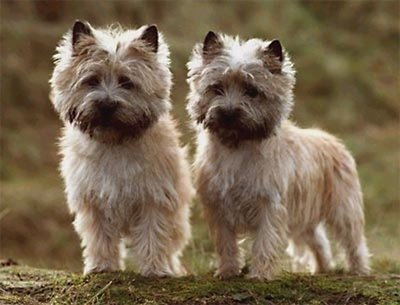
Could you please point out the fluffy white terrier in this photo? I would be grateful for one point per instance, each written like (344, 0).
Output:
(126, 176)
(260, 175)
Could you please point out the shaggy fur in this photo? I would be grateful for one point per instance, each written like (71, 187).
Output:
(257, 173)
(127, 180)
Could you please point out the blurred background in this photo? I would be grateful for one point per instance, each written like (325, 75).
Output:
(347, 58)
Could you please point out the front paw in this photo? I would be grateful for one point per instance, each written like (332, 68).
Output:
(224, 274)
(158, 272)
(93, 270)
(182, 271)
(260, 275)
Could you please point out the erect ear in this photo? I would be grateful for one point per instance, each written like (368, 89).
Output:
(212, 45)
(273, 56)
(150, 37)
(275, 49)
(79, 30)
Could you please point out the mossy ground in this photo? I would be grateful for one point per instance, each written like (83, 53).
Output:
(24, 285)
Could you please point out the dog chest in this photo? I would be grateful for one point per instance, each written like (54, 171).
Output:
(117, 177)
(238, 184)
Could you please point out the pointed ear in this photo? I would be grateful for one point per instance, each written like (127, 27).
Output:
(212, 45)
(79, 30)
(150, 37)
(273, 56)
(275, 49)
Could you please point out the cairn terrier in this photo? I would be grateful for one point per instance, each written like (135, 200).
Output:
(127, 179)
(259, 174)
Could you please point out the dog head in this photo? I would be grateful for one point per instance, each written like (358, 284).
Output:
(239, 90)
(111, 84)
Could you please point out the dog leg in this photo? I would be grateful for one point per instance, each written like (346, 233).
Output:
(299, 254)
(348, 227)
(181, 236)
(225, 242)
(154, 243)
(226, 245)
(319, 245)
(99, 241)
(269, 241)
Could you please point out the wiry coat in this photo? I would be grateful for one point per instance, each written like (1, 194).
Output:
(127, 182)
(285, 183)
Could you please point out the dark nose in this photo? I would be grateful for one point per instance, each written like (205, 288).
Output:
(229, 115)
(106, 107)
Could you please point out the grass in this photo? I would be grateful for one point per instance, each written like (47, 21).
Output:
(24, 285)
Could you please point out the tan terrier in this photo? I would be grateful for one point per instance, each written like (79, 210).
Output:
(127, 179)
(259, 174)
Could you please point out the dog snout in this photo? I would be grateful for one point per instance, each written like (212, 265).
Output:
(106, 107)
(229, 115)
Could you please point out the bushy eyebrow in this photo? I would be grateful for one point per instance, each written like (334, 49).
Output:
(250, 84)
(214, 86)
(216, 83)
(86, 77)
(78, 82)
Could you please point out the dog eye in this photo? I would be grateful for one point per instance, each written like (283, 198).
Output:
(251, 91)
(217, 89)
(92, 81)
(125, 83)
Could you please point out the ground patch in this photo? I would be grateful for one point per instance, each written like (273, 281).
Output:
(26, 286)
